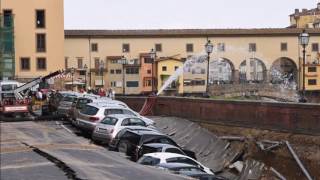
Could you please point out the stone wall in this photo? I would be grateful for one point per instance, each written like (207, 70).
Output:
(288, 117)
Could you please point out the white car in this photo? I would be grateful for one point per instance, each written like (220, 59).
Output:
(164, 157)
(109, 127)
(92, 113)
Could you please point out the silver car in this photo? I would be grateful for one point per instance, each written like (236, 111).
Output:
(92, 113)
(66, 103)
(109, 127)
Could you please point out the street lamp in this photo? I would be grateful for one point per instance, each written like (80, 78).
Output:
(123, 61)
(209, 48)
(101, 66)
(303, 40)
(85, 76)
(153, 55)
(72, 73)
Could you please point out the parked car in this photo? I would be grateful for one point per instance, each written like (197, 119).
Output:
(109, 127)
(158, 147)
(129, 141)
(164, 157)
(66, 103)
(55, 98)
(179, 168)
(92, 113)
(89, 98)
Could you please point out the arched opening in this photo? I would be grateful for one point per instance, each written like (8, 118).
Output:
(221, 71)
(283, 70)
(255, 71)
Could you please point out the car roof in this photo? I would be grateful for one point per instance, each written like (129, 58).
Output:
(157, 145)
(175, 165)
(145, 131)
(122, 116)
(165, 155)
(107, 105)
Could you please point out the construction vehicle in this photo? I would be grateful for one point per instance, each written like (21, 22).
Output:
(14, 97)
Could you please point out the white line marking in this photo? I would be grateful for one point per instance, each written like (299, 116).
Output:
(64, 127)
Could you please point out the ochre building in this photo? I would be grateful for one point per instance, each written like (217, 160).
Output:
(32, 38)
(240, 56)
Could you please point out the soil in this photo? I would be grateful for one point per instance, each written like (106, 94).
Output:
(307, 147)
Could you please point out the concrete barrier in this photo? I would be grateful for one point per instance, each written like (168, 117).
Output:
(288, 117)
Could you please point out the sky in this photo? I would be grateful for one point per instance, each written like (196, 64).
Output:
(177, 14)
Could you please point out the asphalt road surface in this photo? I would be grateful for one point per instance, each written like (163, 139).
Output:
(46, 150)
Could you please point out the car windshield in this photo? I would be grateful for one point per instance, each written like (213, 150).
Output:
(89, 110)
(69, 98)
(8, 87)
(148, 160)
(174, 150)
(109, 121)
(82, 102)
(118, 111)
(158, 139)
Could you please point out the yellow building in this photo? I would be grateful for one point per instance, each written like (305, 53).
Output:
(240, 55)
(167, 67)
(306, 18)
(32, 32)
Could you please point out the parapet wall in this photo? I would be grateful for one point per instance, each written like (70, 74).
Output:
(289, 117)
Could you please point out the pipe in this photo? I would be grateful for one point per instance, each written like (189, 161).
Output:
(304, 170)
(280, 176)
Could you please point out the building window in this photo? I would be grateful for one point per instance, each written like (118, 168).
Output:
(118, 71)
(133, 70)
(252, 47)
(221, 47)
(312, 69)
(149, 71)
(94, 47)
(80, 63)
(40, 18)
(315, 47)
(41, 64)
(284, 46)
(7, 18)
(112, 71)
(25, 63)
(96, 63)
(312, 82)
(113, 84)
(164, 68)
(41, 42)
(158, 47)
(189, 47)
(66, 63)
(82, 73)
(132, 83)
(147, 83)
(125, 48)
(176, 67)
(148, 60)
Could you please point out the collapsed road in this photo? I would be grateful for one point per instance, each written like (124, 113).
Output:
(45, 150)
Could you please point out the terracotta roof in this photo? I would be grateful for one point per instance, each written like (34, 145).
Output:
(187, 32)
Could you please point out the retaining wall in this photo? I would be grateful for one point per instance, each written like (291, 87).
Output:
(288, 117)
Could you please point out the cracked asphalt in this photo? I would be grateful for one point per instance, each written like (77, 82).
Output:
(45, 150)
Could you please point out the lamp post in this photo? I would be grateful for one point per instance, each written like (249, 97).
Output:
(85, 76)
(209, 48)
(123, 61)
(72, 73)
(101, 67)
(153, 55)
(303, 40)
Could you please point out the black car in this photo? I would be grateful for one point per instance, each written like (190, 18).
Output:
(129, 141)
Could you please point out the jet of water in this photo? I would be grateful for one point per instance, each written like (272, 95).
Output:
(190, 62)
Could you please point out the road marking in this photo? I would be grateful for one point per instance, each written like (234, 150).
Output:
(26, 165)
(64, 127)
